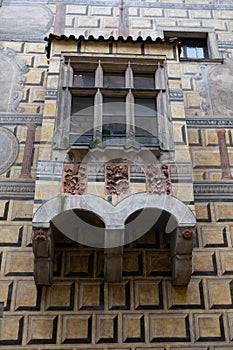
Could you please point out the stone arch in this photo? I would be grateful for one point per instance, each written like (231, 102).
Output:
(180, 225)
(114, 216)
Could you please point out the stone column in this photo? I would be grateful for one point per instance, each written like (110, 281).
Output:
(224, 159)
(28, 151)
(43, 249)
(181, 247)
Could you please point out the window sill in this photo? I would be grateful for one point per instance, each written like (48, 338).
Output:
(207, 60)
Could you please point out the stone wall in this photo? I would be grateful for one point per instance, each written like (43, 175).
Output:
(80, 310)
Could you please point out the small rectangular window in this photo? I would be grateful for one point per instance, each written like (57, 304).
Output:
(193, 48)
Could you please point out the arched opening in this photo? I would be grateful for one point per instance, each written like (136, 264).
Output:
(94, 222)
(80, 226)
(148, 222)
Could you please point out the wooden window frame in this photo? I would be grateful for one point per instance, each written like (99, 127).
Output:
(129, 64)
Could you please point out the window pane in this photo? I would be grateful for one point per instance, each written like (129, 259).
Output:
(84, 79)
(200, 52)
(113, 129)
(144, 81)
(191, 52)
(83, 105)
(145, 118)
(114, 106)
(81, 124)
(114, 80)
(145, 107)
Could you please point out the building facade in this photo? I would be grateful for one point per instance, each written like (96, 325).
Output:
(115, 174)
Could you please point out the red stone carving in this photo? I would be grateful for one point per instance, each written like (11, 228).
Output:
(158, 179)
(116, 178)
(40, 233)
(187, 233)
(74, 179)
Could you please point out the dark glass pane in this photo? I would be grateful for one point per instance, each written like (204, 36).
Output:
(114, 133)
(114, 80)
(144, 81)
(113, 106)
(85, 139)
(114, 130)
(81, 123)
(83, 105)
(84, 79)
(145, 118)
(145, 107)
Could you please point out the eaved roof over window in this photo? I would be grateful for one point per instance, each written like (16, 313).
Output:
(110, 39)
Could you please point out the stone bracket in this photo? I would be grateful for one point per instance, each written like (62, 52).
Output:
(181, 247)
(43, 249)
(113, 257)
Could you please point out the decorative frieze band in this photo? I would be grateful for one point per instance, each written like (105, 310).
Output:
(17, 189)
(209, 123)
(19, 119)
(213, 190)
(176, 95)
(51, 94)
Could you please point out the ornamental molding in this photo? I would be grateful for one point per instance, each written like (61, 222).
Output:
(17, 189)
(13, 80)
(49, 170)
(209, 123)
(216, 189)
(51, 94)
(176, 95)
(19, 119)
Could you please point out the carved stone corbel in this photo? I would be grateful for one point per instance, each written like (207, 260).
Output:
(181, 247)
(43, 249)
